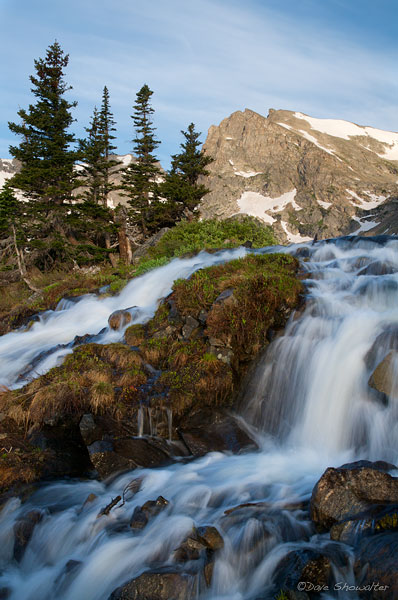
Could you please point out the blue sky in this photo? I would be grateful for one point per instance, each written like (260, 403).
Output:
(204, 59)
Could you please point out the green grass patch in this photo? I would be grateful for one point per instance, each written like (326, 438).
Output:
(191, 237)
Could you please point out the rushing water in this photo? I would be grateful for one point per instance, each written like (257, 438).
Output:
(308, 400)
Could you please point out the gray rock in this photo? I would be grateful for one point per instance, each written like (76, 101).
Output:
(384, 378)
(190, 326)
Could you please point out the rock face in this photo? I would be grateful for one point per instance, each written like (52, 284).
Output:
(301, 175)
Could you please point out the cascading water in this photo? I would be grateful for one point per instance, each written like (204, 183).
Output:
(309, 401)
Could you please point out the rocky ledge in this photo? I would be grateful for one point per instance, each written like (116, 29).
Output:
(168, 391)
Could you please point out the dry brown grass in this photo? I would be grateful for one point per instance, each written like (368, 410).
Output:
(102, 397)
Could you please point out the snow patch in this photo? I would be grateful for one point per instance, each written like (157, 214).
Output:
(125, 159)
(364, 225)
(346, 130)
(231, 162)
(257, 205)
(366, 204)
(229, 138)
(324, 204)
(310, 138)
(248, 173)
(285, 126)
(295, 238)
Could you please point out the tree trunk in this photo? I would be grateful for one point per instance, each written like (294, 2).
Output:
(21, 264)
(112, 257)
(125, 251)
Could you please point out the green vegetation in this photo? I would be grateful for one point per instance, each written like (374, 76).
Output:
(139, 178)
(181, 187)
(191, 237)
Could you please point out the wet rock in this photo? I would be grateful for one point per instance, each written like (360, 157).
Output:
(385, 341)
(375, 520)
(376, 567)
(111, 457)
(222, 436)
(384, 378)
(351, 489)
(142, 514)
(303, 565)
(106, 461)
(210, 537)
(88, 501)
(23, 531)
(190, 549)
(202, 543)
(378, 268)
(119, 319)
(88, 429)
(302, 252)
(164, 585)
(191, 325)
(142, 451)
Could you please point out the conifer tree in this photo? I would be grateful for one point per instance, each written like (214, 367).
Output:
(91, 151)
(139, 178)
(45, 148)
(108, 165)
(181, 183)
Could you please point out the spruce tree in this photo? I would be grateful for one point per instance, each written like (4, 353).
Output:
(139, 178)
(45, 149)
(91, 152)
(108, 165)
(181, 185)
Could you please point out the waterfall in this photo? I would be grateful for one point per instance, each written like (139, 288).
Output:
(309, 400)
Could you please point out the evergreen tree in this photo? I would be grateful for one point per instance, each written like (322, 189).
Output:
(181, 184)
(9, 207)
(91, 151)
(108, 165)
(139, 178)
(45, 149)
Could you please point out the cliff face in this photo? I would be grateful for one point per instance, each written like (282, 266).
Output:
(304, 176)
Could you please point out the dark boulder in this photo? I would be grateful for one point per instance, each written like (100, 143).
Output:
(164, 585)
(303, 565)
(223, 436)
(351, 489)
(23, 531)
(143, 514)
(111, 457)
(119, 319)
(376, 567)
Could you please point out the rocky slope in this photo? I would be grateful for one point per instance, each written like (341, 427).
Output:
(304, 176)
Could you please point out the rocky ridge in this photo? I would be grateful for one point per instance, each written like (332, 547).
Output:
(303, 176)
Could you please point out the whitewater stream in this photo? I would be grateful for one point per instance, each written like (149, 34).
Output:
(308, 402)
